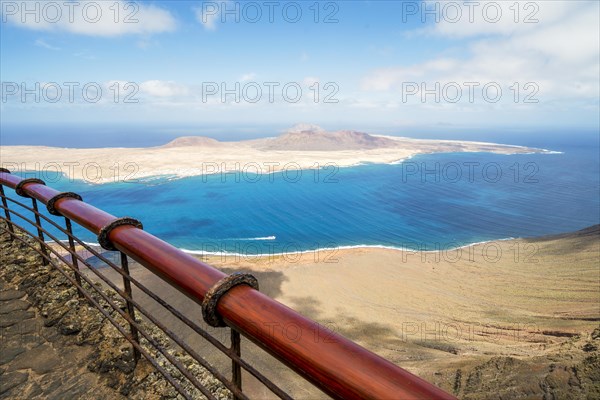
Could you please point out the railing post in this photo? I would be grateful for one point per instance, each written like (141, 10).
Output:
(236, 369)
(6, 212)
(40, 232)
(73, 257)
(130, 308)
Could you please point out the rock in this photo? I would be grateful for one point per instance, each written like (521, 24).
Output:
(10, 306)
(11, 294)
(51, 383)
(15, 317)
(10, 353)
(11, 380)
(70, 324)
(28, 326)
(42, 344)
(53, 314)
(588, 347)
(43, 360)
(68, 329)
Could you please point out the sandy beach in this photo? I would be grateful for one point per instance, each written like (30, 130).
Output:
(192, 156)
(522, 305)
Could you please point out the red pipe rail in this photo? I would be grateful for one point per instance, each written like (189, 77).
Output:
(336, 365)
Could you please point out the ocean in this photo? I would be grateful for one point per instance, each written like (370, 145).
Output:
(428, 202)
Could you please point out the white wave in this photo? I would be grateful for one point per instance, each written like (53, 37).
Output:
(546, 151)
(254, 238)
(402, 160)
(332, 249)
(323, 249)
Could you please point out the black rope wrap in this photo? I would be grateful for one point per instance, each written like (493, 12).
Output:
(4, 170)
(50, 206)
(19, 188)
(209, 304)
(105, 231)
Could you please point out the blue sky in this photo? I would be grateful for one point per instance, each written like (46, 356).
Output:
(373, 59)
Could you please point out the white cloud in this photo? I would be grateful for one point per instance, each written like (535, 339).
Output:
(310, 81)
(491, 17)
(247, 77)
(91, 18)
(44, 44)
(85, 54)
(159, 88)
(560, 54)
(209, 14)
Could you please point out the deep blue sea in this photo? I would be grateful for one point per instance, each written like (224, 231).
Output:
(444, 200)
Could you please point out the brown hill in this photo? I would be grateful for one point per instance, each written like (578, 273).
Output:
(188, 141)
(589, 233)
(320, 140)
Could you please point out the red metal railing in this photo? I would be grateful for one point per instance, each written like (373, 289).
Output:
(338, 366)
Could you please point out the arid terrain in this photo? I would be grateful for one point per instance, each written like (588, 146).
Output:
(508, 319)
(511, 319)
(303, 147)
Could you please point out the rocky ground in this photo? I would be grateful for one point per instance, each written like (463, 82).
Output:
(572, 372)
(55, 345)
(33, 357)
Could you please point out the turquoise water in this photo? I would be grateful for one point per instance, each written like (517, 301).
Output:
(463, 198)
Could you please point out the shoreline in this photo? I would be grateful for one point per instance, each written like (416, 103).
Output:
(367, 247)
(170, 176)
(111, 165)
(435, 315)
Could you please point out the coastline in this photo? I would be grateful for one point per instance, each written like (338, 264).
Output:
(362, 247)
(109, 165)
(436, 315)
(451, 313)
(344, 248)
